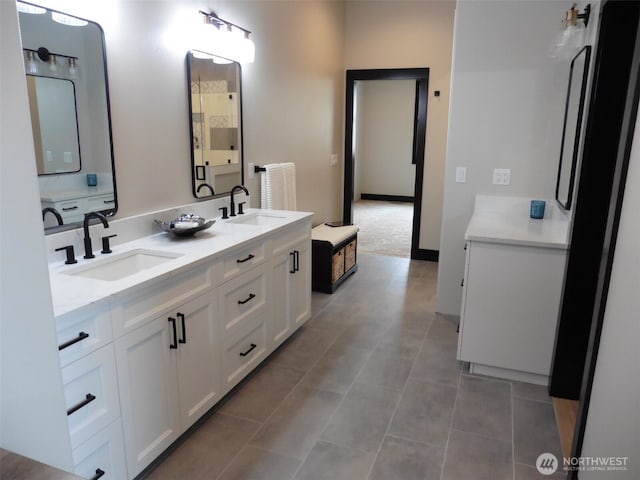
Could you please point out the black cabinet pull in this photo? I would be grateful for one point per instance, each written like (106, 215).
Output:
(244, 354)
(293, 262)
(462, 283)
(99, 474)
(68, 209)
(246, 259)
(174, 345)
(81, 336)
(87, 400)
(184, 328)
(296, 258)
(107, 202)
(250, 297)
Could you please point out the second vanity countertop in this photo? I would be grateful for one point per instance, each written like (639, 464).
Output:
(73, 292)
(506, 220)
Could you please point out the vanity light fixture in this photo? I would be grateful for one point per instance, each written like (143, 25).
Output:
(59, 65)
(30, 62)
(68, 20)
(73, 67)
(571, 37)
(28, 8)
(231, 41)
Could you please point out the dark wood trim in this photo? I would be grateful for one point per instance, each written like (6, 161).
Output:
(421, 76)
(615, 208)
(424, 254)
(387, 198)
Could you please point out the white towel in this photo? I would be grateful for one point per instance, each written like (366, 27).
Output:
(272, 187)
(289, 170)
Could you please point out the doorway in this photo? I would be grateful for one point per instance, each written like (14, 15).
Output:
(411, 195)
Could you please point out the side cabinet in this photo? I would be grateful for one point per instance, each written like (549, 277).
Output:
(511, 297)
(169, 377)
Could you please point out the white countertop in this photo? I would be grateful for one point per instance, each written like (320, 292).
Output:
(506, 220)
(74, 193)
(72, 292)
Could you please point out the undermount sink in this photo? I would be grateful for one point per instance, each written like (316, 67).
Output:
(257, 219)
(122, 265)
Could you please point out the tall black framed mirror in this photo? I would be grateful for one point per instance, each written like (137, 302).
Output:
(571, 129)
(215, 114)
(66, 74)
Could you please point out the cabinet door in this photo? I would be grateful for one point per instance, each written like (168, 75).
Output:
(300, 285)
(199, 371)
(280, 322)
(148, 392)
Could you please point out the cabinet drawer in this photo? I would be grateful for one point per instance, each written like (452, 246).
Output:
(243, 301)
(70, 208)
(140, 307)
(81, 333)
(285, 240)
(337, 265)
(91, 394)
(242, 260)
(242, 356)
(104, 452)
(100, 202)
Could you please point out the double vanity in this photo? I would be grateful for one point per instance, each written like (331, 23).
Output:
(153, 335)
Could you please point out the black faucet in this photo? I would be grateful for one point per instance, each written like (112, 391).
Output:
(232, 204)
(54, 212)
(205, 185)
(88, 251)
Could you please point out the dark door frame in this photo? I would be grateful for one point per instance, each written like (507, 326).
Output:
(421, 76)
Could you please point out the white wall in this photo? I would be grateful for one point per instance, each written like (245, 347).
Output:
(32, 407)
(410, 34)
(384, 138)
(506, 112)
(613, 423)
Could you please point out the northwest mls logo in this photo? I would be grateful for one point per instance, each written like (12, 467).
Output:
(547, 464)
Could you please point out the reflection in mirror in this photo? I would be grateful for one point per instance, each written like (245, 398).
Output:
(215, 108)
(68, 96)
(573, 113)
(52, 102)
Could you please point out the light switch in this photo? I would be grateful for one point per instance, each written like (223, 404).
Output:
(461, 174)
(501, 176)
(334, 159)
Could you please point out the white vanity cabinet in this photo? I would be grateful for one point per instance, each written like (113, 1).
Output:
(169, 376)
(512, 285)
(291, 273)
(85, 344)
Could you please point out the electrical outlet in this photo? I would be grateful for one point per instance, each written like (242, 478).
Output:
(461, 174)
(501, 176)
(334, 159)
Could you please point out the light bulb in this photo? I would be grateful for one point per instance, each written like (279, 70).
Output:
(52, 64)
(73, 67)
(31, 65)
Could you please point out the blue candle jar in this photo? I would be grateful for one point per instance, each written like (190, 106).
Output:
(537, 209)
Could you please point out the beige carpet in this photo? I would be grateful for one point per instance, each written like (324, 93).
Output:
(385, 227)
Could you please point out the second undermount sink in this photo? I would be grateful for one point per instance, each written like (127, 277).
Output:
(122, 265)
(257, 219)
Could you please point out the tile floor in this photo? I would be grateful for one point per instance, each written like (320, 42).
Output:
(370, 388)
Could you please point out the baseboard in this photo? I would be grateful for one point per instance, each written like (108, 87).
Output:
(424, 254)
(387, 198)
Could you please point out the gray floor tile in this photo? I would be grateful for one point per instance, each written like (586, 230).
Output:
(331, 462)
(401, 341)
(483, 407)
(534, 431)
(472, 457)
(530, 391)
(443, 330)
(302, 350)
(208, 450)
(337, 369)
(385, 369)
(437, 362)
(424, 412)
(526, 472)
(294, 427)
(257, 464)
(407, 460)
(362, 418)
(362, 334)
(262, 393)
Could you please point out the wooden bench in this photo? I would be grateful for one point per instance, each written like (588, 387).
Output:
(334, 251)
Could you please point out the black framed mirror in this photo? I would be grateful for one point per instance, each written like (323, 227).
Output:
(571, 129)
(65, 63)
(215, 123)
